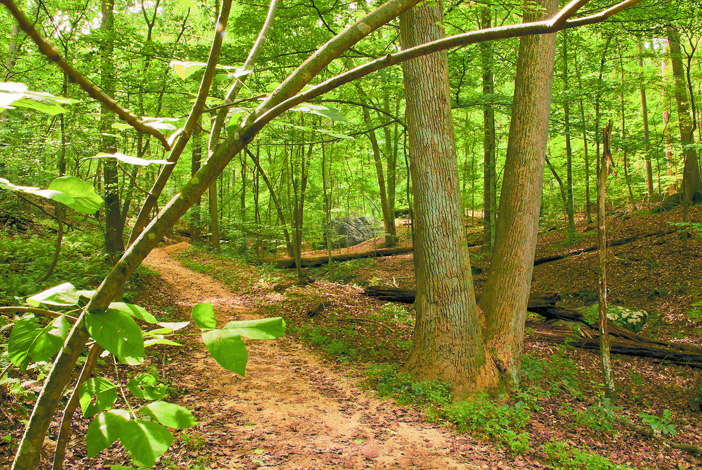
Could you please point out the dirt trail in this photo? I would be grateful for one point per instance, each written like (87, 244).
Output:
(293, 410)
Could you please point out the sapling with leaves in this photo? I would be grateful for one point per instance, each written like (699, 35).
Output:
(147, 234)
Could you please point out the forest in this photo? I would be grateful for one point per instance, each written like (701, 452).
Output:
(468, 232)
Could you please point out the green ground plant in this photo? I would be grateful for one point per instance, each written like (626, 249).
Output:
(565, 457)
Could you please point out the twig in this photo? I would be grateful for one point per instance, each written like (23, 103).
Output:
(76, 77)
(4, 371)
(133, 180)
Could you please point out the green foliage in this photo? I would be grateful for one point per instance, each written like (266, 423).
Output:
(500, 421)
(388, 381)
(629, 318)
(659, 424)
(97, 394)
(392, 312)
(563, 457)
(600, 416)
(30, 340)
(347, 271)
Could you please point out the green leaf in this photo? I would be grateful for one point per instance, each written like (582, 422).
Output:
(324, 111)
(188, 4)
(133, 310)
(50, 340)
(120, 126)
(102, 390)
(146, 387)
(24, 332)
(160, 340)
(185, 69)
(85, 199)
(146, 441)
(104, 430)
(169, 414)
(116, 332)
(63, 295)
(266, 328)
(204, 316)
(227, 349)
(131, 160)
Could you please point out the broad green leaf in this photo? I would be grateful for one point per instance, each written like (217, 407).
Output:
(131, 160)
(102, 391)
(146, 441)
(83, 193)
(169, 414)
(35, 102)
(227, 349)
(120, 126)
(104, 430)
(265, 328)
(185, 69)
(63, 295)
(325, 111)
(23, 334)
(116, 332)
(50, 340)
(88, 294)
(204, 316)
(133, 310)
(146, 386)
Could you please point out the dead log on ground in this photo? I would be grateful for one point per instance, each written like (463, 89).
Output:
(623, 341)
(285, 263)
(623, 241)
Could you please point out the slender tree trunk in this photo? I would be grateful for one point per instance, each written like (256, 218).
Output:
(114, 229)
(564, 195)
(670, 165)
(214, 217)
(691, 174)
(583, 123)
(610, 391)
(644, 116)
(194, 168)
(570, 206)
(447, 338)
(507, 290)
(489, 170)
(623, 145)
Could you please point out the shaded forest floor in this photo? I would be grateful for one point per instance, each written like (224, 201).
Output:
(302, 404)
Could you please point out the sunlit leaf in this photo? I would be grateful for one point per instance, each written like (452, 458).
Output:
(135, 311)
(204, 316)
(85, 199)
(116, 332)
(227, 349)
(146, 441)
(104, 430)
(325, 111)
(50, 340)
(169, 414)
(102, 391)
(23, 334)
(265, 328)
(185, 69)
(63, 295)
(146, 386)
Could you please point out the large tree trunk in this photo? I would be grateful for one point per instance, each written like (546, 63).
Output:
(447, 338)
(507, 289)
(692, 183)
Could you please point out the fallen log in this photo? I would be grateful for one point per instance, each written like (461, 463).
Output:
(285, 263)
(623, 341)
(622, 241)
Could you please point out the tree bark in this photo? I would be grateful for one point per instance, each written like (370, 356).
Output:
(195, 220)
(489, 170)
(644, 116)
(507, 289)
(692, 183)
(447, 338)
(570, 206)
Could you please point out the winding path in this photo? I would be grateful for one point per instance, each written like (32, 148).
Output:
(293, 410)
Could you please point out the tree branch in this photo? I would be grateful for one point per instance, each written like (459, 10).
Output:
(76, 77)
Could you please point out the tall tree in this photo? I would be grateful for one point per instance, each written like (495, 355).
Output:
(489, 165)
(447, 338)
(507, 290)
(692, 183)
(644, 117)
(114, 227)
(570, 207)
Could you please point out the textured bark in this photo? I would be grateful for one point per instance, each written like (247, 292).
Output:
(644, 116)
(114, 228)
(692, 183)
(507, 289)
(447, 338)
(489, 170)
